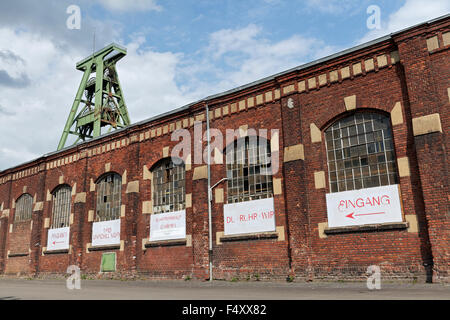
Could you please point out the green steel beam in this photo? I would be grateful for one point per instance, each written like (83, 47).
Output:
(74, 109)
(122, 106)
(98, 95)
(104, 104)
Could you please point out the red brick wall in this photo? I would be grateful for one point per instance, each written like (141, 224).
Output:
(163, 261)
(25, 235)
(427, 78)
(374, 91)
(265, 258)
(419, 81)
(72, 176)
(4, 226)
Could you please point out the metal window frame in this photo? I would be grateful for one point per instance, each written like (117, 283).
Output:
(24, 208)
(169, 186)
(62, 201)
(109, 186)
(366, 140)
(246, 161)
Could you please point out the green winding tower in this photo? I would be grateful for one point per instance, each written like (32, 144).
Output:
(103, 103)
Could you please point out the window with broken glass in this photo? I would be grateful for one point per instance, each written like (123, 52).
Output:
(168, 187)
(249, 170)
(109, 190)
(24, 208)
(61, 207)
(360, 152)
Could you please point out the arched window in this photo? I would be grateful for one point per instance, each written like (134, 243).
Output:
(169, 193)
(109, 189)
(249, 170)
(360, 152)
(24, 207)
(62, 198)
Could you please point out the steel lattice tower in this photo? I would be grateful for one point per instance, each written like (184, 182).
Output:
(103, 103)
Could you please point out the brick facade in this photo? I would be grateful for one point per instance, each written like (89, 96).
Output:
(405, 76)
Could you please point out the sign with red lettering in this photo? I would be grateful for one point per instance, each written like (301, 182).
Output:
(249, 216)
(168, 225)
(364, 206)
(106, 233)
(58, 239)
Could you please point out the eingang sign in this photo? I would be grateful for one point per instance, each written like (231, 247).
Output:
(58, 239)
(364, 206)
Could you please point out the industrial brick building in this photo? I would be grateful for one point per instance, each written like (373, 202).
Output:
(360, 128)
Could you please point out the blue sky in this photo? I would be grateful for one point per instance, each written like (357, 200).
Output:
(186, 25)
(178, 52)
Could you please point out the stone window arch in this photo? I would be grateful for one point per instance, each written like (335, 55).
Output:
(360, 152)
(24, 208)
(169, 186)
(249, 170)
(62, 198)
(109, 193)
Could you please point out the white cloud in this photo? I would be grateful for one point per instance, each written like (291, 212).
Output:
(32, 111)
(131, 5)
(153, 82)
(16, 156)
(32, 118)
(411, 13)
(272, 1)
(148, 80)
(33, 115)
(240, 56)
(227, 40)
(333, 6)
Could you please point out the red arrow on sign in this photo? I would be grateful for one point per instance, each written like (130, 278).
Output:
(350, 215)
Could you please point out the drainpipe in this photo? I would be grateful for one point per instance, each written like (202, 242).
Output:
(210, 189)
(210, 250)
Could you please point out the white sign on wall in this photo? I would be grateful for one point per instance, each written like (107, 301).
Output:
(169, 225)
(58, 239)
(364, 206)
(106, 233)
(249, 216)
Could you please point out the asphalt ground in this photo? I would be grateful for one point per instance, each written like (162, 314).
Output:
(56, 289)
